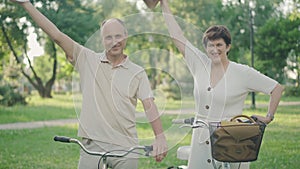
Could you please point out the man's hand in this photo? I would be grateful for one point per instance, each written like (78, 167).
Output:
(160, 148)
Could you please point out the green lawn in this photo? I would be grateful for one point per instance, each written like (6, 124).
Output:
(35, 148)
(38, 109)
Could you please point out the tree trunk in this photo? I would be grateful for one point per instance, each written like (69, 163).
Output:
(35, 81)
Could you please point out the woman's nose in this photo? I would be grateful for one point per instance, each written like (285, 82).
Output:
(214, 49)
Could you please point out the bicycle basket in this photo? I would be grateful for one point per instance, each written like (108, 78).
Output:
(233, 141)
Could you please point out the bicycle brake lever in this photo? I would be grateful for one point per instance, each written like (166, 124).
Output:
(148, 148)
(186, 125)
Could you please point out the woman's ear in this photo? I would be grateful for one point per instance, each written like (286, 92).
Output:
(228, 47)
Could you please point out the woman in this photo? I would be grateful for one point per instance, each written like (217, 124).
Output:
(220, 85)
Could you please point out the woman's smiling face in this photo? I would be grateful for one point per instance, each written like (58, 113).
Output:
(217, 50)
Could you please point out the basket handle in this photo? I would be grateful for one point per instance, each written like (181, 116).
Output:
(244, 116)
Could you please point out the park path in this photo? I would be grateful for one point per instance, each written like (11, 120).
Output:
(63, 122)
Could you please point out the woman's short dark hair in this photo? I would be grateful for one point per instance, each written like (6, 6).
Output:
(216, 32)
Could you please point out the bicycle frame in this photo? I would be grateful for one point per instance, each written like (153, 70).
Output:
(104, 155)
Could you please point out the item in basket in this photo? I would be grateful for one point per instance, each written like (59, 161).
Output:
(236, 141)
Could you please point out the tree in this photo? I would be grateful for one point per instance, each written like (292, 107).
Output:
(280, 39)
(70, 17)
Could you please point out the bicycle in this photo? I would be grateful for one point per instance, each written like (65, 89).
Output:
(105, 155)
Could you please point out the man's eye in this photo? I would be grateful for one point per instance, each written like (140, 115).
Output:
(108, 38)
(119, 36)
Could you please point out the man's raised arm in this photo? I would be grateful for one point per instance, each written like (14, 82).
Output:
(61, 39)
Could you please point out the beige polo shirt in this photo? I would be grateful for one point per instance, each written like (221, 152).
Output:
(109, 97)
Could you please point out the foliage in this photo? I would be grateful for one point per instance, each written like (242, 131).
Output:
(291, 91)
(80, 19)
(276, 40)
(43, 65)
(10, 96)
(10, 86)
(15, 28)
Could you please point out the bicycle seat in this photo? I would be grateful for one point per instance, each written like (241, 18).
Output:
(183, 152)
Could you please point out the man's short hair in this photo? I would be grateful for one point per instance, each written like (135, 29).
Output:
(118, 20)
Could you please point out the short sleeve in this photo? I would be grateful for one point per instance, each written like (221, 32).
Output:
(144, 89)
(260, 82)
(77, 52)
(81, 55)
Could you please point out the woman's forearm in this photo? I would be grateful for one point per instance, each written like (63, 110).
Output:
(274, 100)
(175, 31)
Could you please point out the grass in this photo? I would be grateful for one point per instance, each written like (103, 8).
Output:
(38, 109)
(22, 149)
(35, 148)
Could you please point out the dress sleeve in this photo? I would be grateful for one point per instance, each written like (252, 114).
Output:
(195, 58)
(260, 82)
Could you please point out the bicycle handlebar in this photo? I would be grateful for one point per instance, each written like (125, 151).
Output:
(190, 122)
(64, 139)
(183, 121)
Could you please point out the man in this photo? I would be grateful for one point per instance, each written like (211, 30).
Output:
(111, 85)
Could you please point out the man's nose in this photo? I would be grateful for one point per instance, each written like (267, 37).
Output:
(116, 40)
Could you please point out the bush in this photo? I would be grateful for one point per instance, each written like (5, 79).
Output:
(171, 91)
(292, 91)
(10, 96)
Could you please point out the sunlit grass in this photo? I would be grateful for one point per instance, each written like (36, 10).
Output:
(35, 148)
(38, 109)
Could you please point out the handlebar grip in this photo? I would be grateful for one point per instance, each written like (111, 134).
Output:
(148, 148)
(62, 139)
(254, 118)
(183, 121)
(178, 121)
